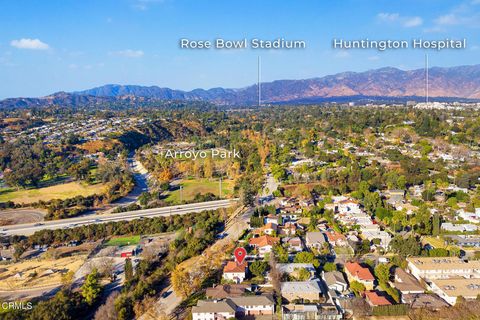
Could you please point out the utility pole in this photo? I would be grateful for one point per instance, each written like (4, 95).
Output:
(426, 77)
(181, 195)
(258, 81)
(220, 188)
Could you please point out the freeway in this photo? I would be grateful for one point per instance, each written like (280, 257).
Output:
(30, 228)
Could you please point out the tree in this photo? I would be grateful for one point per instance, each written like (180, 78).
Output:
(307, 257)
(357, 288)
(329, 266)
(382, 272)
(107, 311)
(128, 270)
(303, 274)
(91, 288)
(436, 224)
(67, 278)
(181, 282)
(258, 268)
(247, 195)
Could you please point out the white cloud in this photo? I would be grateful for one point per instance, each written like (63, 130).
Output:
(374, 58)
(30, 44)
(412, 22)
(342, 54)
(128, 53)
(144, 4)
(396, 18)
(466, 14)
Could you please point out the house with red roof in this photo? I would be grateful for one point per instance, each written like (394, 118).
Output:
(336, 239)
(264, 243)
(235, 272)
(374, 299)
(356, 272)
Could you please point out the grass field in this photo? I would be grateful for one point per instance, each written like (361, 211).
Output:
(60, 191)
(191, 187)
(124, 241)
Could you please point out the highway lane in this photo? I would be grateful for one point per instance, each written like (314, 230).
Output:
(30, 228)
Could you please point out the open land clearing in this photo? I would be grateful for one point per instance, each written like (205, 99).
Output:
(37, 273)
(192, 187)
(17, 216)
(60, 191)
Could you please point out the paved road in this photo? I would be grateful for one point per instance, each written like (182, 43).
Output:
(30, 228)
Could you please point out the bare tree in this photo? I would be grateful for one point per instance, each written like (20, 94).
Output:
(107, 311)
(106, 266)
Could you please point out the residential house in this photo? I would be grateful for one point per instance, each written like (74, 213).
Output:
(289, 229)
(234, 271)
(423, 300)
(473, 217)
(254, 305)
(465, 241)
(383, 236)
(295, 244)
(271, 218)
(270, 229)
(214, 310)
(323, 311)
(374, 299)
(293, 269)
(356, 272)
(336, 239)
(464, 227)
(223, 291)
(233, 307)
(406, 283)
(315, 240)
(335, 280)
(264, 244)
(301, 290)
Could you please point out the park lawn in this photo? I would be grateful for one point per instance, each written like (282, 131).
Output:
(193, 186)
(123, 241)
(59, 191)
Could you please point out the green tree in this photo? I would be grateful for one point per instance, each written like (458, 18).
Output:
(382, 272)
(306, 257)
(329, 266)
(357, 288)
(128, 270)
(91, 288)
(303, 274)
(258, 268)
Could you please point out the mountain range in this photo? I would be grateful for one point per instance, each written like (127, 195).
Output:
(452, 83)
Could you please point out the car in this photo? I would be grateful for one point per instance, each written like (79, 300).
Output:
(98, 220)
(38, 224)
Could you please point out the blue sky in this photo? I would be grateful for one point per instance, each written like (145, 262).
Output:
(67, 45)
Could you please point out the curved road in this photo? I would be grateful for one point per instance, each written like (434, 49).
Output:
(30, 228)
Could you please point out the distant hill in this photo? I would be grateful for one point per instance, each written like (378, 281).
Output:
(461, 82)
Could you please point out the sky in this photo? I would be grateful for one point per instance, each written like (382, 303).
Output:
(69, 45)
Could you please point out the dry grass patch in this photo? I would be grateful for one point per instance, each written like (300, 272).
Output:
(60, 191)
(38, 273)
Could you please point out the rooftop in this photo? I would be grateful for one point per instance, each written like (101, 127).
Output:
(301, 286)
(362, 273)
(459, 286)
(447, 263)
